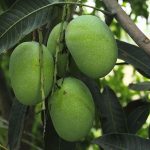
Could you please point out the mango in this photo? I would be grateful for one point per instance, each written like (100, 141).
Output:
(72, 109)
(92, 45)
(24, 70)
(52, 45)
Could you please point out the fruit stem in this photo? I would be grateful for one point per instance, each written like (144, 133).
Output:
(42, 77)
(41, 66)
(69, 13)
(60, 45)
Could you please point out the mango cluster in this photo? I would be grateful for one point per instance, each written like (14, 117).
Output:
(93, 49)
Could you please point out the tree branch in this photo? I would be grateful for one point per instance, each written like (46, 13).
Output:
(128, 25)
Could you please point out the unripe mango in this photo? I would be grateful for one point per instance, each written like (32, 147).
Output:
(92, 45)
(24, 69)
(72, 109)
(52, 45)
(53, 38)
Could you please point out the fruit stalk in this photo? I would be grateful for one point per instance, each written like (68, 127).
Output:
(42, 78)
(41, 66)
(69, 13)
(59, 46)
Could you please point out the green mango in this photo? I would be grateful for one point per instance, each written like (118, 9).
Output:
(52, 45)
(24, 70)
(72, 109)
(92, 45)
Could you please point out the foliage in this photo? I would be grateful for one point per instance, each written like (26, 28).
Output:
(122, 109)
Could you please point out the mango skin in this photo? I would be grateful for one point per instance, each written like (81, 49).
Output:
(24, 70)
(72, 109)
(92, 45)
(52, 44)
(53, 38)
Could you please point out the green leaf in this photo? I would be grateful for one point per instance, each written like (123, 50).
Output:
(23, 17)
(16, 124)
(122, 142)
(135, 56)
(112, 115)
(137, 114)
(3, 6)
(10, 2)
(143, 86)
(113, 119)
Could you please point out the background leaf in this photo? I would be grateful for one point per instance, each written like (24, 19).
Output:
(122, 142)
(10, 2)
(16, 124)
(23, 17)
(112, 115)
(143, 86)
(134, 56)
(137, 114)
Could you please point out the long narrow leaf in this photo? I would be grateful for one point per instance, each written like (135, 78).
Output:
(122, 142)
(137, 113)
(142, 86)
(16, 124)
(22, 18)
(135, 56)
(113, 119)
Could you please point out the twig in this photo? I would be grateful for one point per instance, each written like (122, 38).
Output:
(128, 25)
(38, 139)
(3, 148)
(31, 144)
(122, 63)
(81, 4)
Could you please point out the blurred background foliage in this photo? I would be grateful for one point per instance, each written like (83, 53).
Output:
(119, 79)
